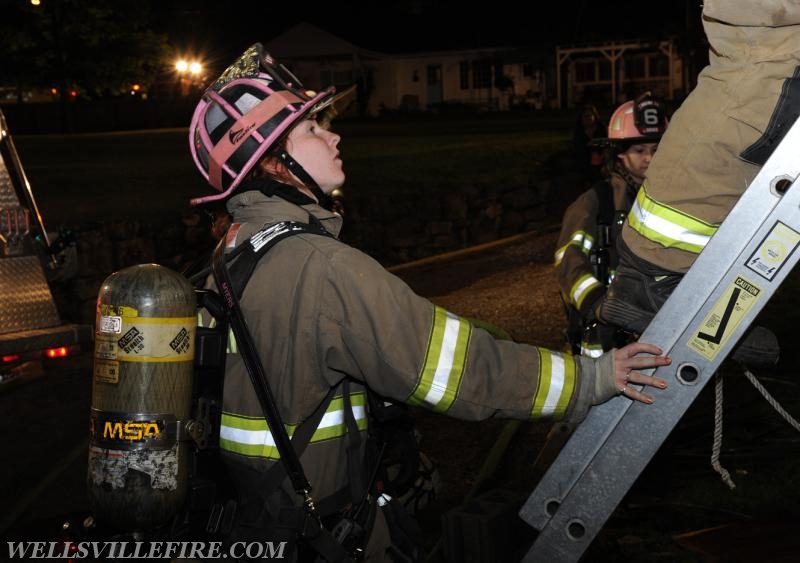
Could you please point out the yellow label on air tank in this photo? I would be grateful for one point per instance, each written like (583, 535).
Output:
(145, 339)
(108, 310)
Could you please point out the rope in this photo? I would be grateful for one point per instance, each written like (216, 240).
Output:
(771, 400)
(726, 477)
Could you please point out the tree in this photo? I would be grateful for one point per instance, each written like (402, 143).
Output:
(98, 48)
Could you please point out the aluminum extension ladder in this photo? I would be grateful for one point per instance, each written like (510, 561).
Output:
(743, 264)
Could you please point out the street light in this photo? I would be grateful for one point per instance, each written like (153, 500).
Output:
(190, 73)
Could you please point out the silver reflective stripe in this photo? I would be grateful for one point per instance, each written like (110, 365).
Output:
(581, 239)
(445, 360)
(591, 350)
(557, 377)
(584, 285)
(667, 226)
(251, 436)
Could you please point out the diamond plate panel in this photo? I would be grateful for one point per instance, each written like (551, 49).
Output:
(25, 299)
(8, 197)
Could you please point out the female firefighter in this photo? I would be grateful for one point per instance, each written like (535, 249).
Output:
(325, 316)
(586, 257)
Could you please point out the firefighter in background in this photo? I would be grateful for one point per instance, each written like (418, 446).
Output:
(586, 256)
(589, 156)
(745, 100)
(327, 316)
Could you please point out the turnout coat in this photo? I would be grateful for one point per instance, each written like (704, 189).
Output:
(322, 312)
(745, 100)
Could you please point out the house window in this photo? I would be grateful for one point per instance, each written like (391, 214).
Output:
(434, 74)
(604, 67)
(636, 67)
(482, 74)
(659, 65)
(585, 71)
(463, 75)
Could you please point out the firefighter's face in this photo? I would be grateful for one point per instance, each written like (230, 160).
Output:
(316, 150)
(637, 159)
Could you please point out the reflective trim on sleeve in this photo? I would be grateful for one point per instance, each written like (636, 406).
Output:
(591, 349)
(250, 436)
(585, 284)
(445, 360)
(557, 375)
(667, 226)
(581, 239)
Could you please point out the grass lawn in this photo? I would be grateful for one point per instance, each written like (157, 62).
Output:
(149, 175)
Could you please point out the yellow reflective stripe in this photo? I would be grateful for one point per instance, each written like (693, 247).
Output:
(559, 254)
(584, 285)
(251, 436)
(668, 226)
(583, 240)
(445, 361)
(557, 375)
(588, 243)
(231, 347)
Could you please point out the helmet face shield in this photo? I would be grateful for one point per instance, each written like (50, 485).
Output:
(244, 114)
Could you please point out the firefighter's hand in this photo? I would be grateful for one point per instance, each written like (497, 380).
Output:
(617, 372)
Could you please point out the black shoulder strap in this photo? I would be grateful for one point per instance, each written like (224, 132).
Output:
(257, 246)
(255, 368)
(245, 261)
(605, 201)
(260, 243)
(275, 475)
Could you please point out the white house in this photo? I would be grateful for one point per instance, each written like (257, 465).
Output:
(493, 78)
(496, 78)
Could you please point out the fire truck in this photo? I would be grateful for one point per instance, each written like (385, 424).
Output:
(31, 328)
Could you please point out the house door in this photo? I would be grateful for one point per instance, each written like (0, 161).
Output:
(434, 85)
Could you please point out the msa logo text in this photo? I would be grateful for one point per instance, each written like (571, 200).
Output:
(133, 431)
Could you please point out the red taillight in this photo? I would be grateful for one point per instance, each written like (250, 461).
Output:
(10, 358)
(60, 352)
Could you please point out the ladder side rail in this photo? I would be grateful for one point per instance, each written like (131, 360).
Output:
(612, 471)
(750, 212)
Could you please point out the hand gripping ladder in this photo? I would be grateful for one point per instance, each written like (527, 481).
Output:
(732, 279)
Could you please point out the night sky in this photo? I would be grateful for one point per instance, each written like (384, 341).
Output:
(220, 31)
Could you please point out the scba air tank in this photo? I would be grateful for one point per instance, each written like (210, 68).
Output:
(141, 396)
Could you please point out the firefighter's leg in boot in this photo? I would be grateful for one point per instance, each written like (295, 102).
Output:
(640, 289)
(637, 292)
